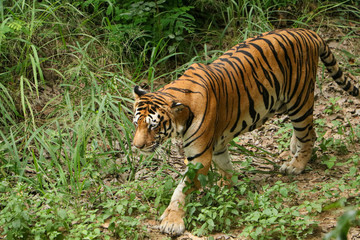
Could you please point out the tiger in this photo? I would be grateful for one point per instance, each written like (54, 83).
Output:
(209, 105)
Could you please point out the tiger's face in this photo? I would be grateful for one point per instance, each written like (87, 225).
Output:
(153, 126)
(153, 121)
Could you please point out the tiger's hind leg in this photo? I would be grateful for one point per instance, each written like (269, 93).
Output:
(301, 144)
(224, 165)
(293, 143)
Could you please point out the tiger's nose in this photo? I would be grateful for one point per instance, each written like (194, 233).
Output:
(139, 146)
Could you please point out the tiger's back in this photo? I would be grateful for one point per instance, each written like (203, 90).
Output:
(260, 77)
(209, 105)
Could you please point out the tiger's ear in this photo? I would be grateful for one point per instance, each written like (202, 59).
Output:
(180, 111)
(176, 107)
(138, 92)
(183, 116)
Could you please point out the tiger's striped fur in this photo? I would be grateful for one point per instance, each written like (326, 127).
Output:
(211, 104)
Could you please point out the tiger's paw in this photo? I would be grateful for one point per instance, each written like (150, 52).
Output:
(291, 168)
(172, 222)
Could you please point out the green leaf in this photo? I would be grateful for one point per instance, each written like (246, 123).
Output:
(343, 225)
(211, 224)
(284, 192)
(267, 211)
(255, 216)
(353, 170)
(132, 197)
(120, 209)
(258, 231)
(227, 222)
(62, 213)
(203, 180)
(235, 212)
(16, 224)
(168, 184)
(317, 207)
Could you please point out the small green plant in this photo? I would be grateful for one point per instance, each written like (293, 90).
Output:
(285, 133)
(15, 216)
(214, 208)
(192, 173)
(264, 219)
(345, 221)
(119, 214)
(329, 161)
(333, 107)
(264, 214)
(331, 144)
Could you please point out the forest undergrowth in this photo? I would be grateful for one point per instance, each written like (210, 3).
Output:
(67, 168)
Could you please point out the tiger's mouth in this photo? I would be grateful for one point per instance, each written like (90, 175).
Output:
(149, 149)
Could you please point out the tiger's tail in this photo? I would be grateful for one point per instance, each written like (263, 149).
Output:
(336, 73)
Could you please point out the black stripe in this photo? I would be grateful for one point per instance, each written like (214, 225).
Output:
(325, 54)
(183, 90)
(199, 154)
(219, 153)
(303, 117)
(338, 74)
(300, 129)
(189, 120)
(348, 85)
(330, 64)
(355, 92)
(261, 53)
(275, 55)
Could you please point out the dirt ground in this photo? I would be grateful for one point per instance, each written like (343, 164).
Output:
(266, 138)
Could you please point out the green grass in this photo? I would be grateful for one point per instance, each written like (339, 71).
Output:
(67, 169)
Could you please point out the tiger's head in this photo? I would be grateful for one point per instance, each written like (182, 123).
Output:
(157, 118)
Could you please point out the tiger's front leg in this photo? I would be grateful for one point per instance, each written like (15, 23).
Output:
(172, 219)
